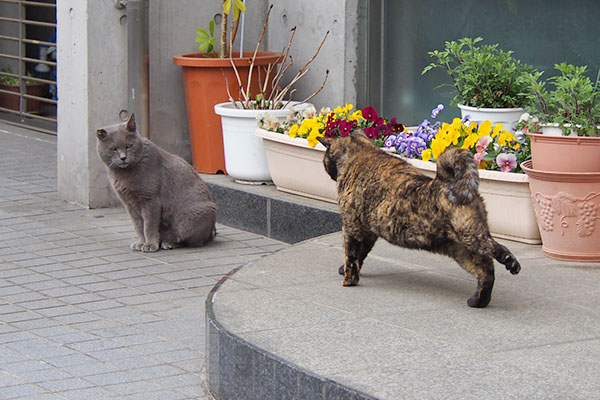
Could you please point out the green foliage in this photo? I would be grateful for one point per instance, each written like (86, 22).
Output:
(207, 40)
(8, 80)
(484, 76)
(572, 102)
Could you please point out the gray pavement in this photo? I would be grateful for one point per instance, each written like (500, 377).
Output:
(406, 332)
(83, 317)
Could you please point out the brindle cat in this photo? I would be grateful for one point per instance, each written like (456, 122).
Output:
(383, 196)
(168, 202)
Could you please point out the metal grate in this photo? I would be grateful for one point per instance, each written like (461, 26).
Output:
(28, 92)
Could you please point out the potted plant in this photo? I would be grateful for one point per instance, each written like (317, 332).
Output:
(490, 83)
(10, 87)
(565, 130)
(205, 85)
(245, 157)
(564, 172)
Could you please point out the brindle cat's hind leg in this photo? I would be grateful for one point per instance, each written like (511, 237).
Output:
(366, 245)
(482, 267)
(504, 256)
(355, 252)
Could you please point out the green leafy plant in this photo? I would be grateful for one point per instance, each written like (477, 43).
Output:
(484, 75)
(207, 40)
(12, 79)
(572, 102)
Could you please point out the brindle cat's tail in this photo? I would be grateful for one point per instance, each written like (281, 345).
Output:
(457, 169)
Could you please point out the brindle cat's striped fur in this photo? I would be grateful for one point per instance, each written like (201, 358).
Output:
(383, 196)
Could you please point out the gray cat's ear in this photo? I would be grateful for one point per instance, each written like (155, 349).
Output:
(101, 134)
(131, 123)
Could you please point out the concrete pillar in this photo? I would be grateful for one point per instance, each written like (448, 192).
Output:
(92, 81)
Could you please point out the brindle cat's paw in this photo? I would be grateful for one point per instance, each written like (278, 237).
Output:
(341, 269)
(352, 281)
(477, 302)
(150, 247)
(511, 264)
(137, 245)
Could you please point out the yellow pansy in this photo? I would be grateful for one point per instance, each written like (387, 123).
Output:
(485, 128)
(470, 141)
(426, 154)
(294, 130)
(506, 137)
(438, 146)
(497, 130)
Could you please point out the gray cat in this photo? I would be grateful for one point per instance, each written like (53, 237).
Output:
(167, 201)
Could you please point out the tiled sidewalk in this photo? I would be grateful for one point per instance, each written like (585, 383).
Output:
(83, 317)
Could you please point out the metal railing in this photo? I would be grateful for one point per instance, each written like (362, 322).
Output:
(28, 94)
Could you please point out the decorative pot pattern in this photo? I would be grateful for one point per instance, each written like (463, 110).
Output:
(567, 206)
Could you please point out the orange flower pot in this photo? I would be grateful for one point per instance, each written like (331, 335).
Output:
(205, 85)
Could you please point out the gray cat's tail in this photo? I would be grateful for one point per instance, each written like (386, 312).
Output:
(457, 170)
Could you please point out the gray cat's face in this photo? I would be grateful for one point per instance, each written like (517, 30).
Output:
(119, 145)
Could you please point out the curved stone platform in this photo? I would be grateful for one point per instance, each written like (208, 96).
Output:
(283, 327)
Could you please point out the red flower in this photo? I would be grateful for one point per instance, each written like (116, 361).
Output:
(372, 132)
(369, 113)
(346, 127)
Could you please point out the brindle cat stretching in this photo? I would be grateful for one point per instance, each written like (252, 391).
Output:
(383, 196)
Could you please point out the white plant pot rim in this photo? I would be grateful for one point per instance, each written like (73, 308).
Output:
(227, 109)
(491, 110)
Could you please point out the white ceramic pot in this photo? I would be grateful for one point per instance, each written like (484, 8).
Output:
(245, 158)
(508, 117)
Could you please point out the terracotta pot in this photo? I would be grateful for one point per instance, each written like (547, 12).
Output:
(565, 153)
(204, 84)
(567, 207)
(508, 117)
(11, 101)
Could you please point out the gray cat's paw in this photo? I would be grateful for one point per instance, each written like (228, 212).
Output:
(137, 245)
(150, 247)
(168, 245)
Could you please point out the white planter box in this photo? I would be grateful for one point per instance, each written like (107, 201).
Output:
(298, 168)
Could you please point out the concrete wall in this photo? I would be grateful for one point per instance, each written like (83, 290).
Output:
(312, 20)
(92, 77)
